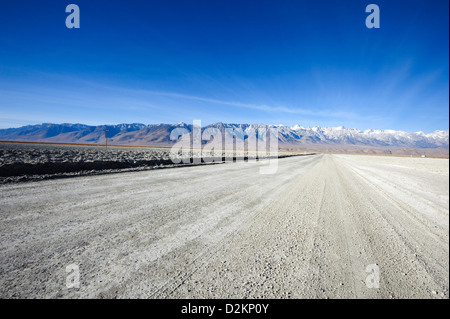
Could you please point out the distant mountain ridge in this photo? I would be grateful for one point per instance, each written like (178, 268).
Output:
(159, 135)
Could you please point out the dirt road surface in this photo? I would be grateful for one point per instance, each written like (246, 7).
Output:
(320, 227)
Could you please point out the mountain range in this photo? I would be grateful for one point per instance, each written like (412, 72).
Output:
(289, 137)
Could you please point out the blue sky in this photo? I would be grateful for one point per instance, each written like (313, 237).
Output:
(274, 62)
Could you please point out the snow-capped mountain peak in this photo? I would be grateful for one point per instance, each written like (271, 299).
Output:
(158, 134)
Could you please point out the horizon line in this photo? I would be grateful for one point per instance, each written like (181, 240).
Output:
(227, 123)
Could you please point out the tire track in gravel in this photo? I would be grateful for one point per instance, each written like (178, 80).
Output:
(226, 231)
(115, 238)
(217, 240)
(339, 224)
(413, 260)
(410, 189)
(268, 259)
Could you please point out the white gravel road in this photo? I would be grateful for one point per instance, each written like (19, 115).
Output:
(226, 231)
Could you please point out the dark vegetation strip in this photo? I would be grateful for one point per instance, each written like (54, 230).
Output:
(48, 169)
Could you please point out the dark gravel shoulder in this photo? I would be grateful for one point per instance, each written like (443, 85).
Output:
(32, 162)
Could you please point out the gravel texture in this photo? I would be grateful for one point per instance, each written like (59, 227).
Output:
(34, 162)
(227, 231)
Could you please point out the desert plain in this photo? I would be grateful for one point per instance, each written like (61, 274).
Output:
(312, 229)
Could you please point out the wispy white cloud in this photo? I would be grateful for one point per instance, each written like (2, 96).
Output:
(259, 107)
(91, 95)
